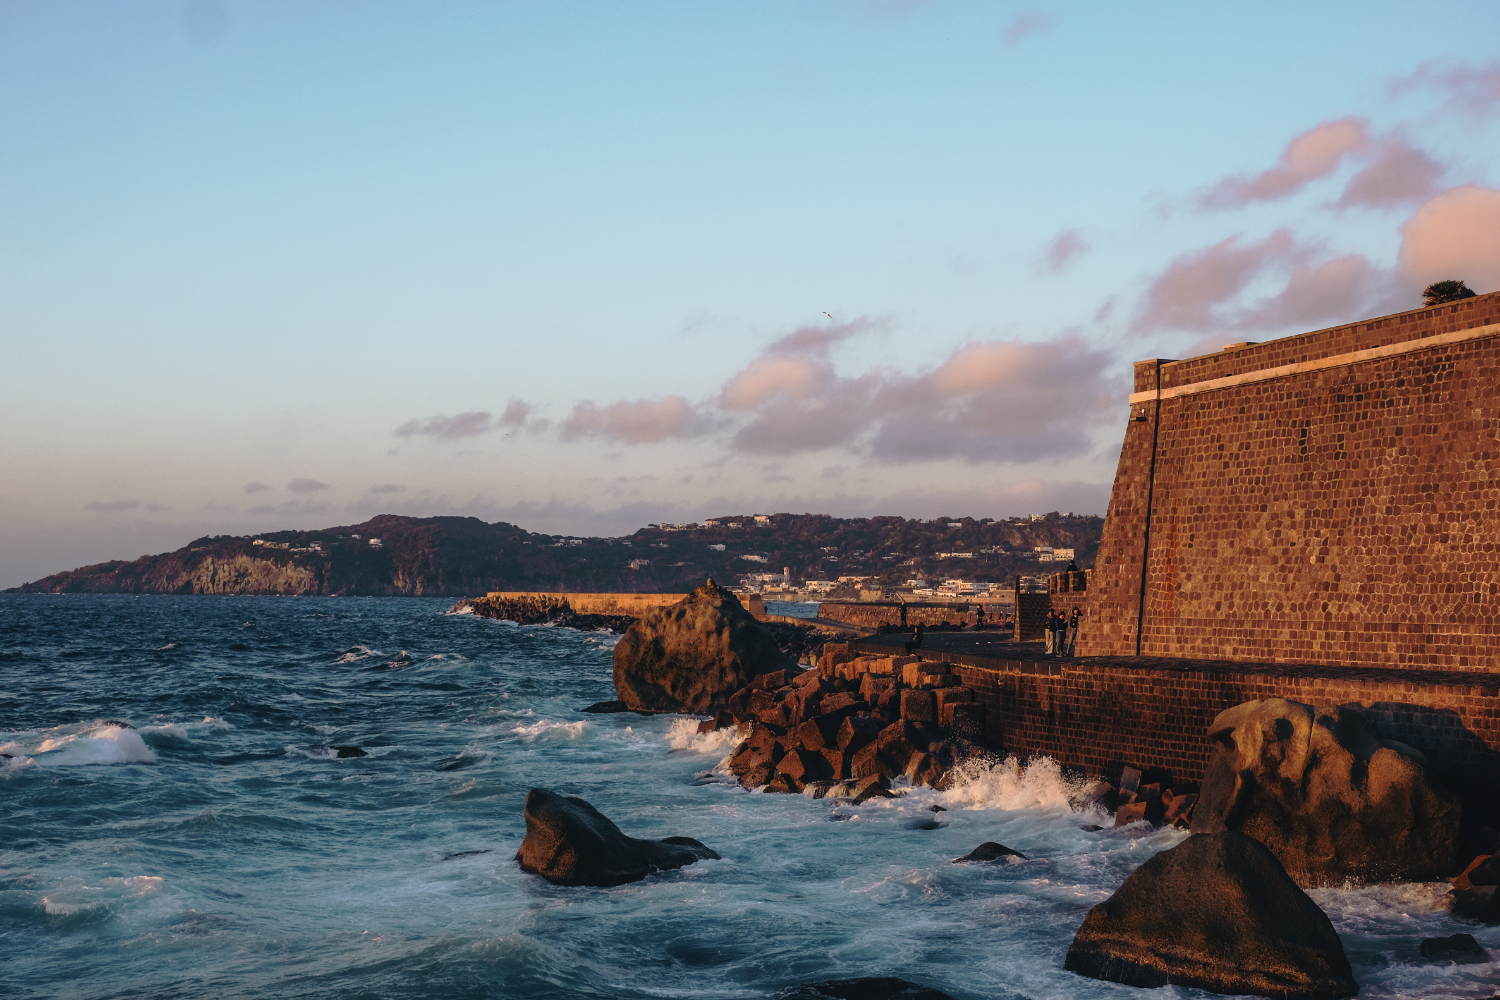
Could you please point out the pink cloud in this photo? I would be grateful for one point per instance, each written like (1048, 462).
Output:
(1066, 247)
(1313, 154)
(1474, 90)
(1024, 25)
(1399, 173)
(1454, 235)
(1212, 289)
(644, 421)
(444, 427)
(516, 412)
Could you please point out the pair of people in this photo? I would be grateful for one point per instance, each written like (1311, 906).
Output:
(1061, 632)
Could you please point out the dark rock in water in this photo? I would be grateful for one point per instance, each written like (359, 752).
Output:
(569, 842)
(989, 851)
(1331, 801)
(1477, 905)
(344, 752)
(606, 707)
(1091, 828)
(457, 763)
(924, 824)
(867, 988)
(465, 854)
(938, 809)
(692, 656)
(115, 722)
(1218, 913)
(1459, 948)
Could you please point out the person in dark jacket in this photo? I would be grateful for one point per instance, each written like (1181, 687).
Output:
(916, 639)
(1072, 635)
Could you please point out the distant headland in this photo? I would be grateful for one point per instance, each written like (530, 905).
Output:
(391, 555)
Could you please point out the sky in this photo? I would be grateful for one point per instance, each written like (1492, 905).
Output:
(585, 266)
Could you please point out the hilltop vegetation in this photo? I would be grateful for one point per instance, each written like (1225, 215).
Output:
(464, 556)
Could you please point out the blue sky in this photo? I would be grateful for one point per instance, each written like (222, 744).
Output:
(585, 266)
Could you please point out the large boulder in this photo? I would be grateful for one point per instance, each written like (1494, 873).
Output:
(691, 656)
(569, 842)
(1330, 800)
(1218, 913)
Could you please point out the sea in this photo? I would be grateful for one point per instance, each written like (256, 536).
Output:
(175, 821)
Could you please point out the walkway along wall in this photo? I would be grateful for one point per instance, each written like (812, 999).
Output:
(1331, 498)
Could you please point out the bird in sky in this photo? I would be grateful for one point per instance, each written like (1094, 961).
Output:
(828, 314)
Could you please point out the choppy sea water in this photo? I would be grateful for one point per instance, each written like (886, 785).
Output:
(219, 849)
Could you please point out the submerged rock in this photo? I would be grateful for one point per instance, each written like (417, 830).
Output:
(1461, 949)
(1330, 800)
(989, 851)
(866, 988)
(346, 752)
(569, 842)
(1219, 913)
(691, 656)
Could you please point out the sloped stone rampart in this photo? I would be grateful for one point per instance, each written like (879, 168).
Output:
(1343, 514)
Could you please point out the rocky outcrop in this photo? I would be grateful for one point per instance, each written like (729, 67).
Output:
(989, 851)
(691, 656)
(569, 842)
(1330, 800)
(1218, 913)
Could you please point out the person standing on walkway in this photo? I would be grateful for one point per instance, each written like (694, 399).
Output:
(1049, 628)
(903, 614)
(1072, 632)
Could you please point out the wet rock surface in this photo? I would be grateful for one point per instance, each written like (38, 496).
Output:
(1330, 800)
(569, 842)
(1219, 913)
(1460, 949)
(691, 656)
(989, 851)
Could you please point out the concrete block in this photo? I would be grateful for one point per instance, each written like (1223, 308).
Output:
(918, 706)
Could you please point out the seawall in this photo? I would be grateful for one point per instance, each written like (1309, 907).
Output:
(1100, 714)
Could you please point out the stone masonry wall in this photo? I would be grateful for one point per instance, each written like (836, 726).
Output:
(1347, 515)
(1153, 713)
(873, 615)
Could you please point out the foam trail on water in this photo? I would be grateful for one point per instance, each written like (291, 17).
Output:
(93, 743)
(544, 728)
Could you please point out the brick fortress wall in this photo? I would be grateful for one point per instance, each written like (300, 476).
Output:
(1330, 498)
(1156, 713)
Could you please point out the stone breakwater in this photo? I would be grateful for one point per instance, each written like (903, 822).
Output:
(852, 724)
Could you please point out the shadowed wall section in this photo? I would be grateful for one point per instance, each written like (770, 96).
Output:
(1331, 498)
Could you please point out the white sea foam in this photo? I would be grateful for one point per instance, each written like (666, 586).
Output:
(170, 645)
(683, 735)
(545, 729)
(463, 608)
(1009, 784)
(356, 653)
(92, 743)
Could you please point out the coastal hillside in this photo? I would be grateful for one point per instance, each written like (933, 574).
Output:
(391, 555)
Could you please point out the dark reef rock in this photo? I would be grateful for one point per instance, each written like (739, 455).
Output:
(346, 752)
(1218, 913)
(989, 851)
(1331, 801)
(606, 707)
(867, 988)
(692, 656)
(569, 842)
(1461, 949)
(1477, 905)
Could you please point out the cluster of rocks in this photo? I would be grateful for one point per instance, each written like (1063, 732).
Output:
(850, 725)
(569, 842)
(1159, 801)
